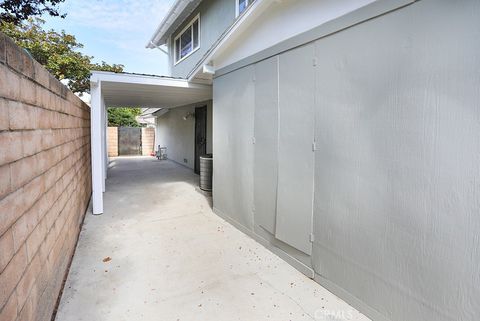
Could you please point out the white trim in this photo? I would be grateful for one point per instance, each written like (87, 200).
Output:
(207, 69)
(255, 9)
(106, 76)
(175, 10)
(97, 148)
(190, 24)
(189, 54)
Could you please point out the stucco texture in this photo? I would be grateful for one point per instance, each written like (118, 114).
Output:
(397, 147)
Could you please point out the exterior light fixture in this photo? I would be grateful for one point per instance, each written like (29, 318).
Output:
(188, 115)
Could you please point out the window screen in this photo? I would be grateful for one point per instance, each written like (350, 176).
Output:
(188, 41)
(242, 5)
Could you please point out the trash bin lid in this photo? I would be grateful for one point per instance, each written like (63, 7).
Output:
(207, 156)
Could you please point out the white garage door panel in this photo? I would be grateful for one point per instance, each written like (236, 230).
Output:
(296, 158)
(266, 143)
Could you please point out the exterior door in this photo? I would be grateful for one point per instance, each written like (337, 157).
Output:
(129, 141)
(266, 144)
(295, 150)
(200, 135)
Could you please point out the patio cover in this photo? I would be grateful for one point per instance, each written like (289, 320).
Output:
(130, 90)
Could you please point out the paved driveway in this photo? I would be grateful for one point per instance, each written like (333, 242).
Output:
(160, 253)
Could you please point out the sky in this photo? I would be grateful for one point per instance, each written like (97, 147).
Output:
(116, 31)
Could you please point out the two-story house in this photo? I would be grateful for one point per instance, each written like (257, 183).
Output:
(324, 119)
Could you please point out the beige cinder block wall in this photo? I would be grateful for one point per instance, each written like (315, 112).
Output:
(148, 140)
(112, 141)
(45, 183)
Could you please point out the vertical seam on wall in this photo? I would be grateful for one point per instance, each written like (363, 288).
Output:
(253, 145)
(277, 60)
(314, 69)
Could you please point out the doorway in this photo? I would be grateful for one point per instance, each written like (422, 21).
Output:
(129, 141)
(200, 135)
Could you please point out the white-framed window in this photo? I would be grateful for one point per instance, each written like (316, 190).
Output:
(242, 5)
(188, 40)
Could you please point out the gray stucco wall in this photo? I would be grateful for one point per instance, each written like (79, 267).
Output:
(233, 132)
(215, 17)
(178, 135)
(396, 178)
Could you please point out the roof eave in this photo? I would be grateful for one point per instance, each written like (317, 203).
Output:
(160, 35)
(247, 17)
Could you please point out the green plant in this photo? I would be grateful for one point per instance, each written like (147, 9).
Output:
(123, 117)
(58, 52)
(16, 11)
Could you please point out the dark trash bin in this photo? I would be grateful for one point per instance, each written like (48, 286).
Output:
(206, 172)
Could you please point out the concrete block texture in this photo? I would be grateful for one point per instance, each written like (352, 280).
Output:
(148, 140)
(2, 48)
(112, 141)
(45, 183)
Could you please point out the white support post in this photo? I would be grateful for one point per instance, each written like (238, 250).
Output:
(96, 125)
(104, 146)
(104, 143)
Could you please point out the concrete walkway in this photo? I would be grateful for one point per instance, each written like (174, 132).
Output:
(160, 253)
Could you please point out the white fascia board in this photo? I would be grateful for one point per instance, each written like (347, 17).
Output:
(255, 9)
(208, 69)
(177, 9)
(104, 76)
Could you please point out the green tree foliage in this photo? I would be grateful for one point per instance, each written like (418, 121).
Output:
(57, 51)
(123, 117)
(15, 11)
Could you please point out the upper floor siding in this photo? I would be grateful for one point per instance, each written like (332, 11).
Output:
(215, 17)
